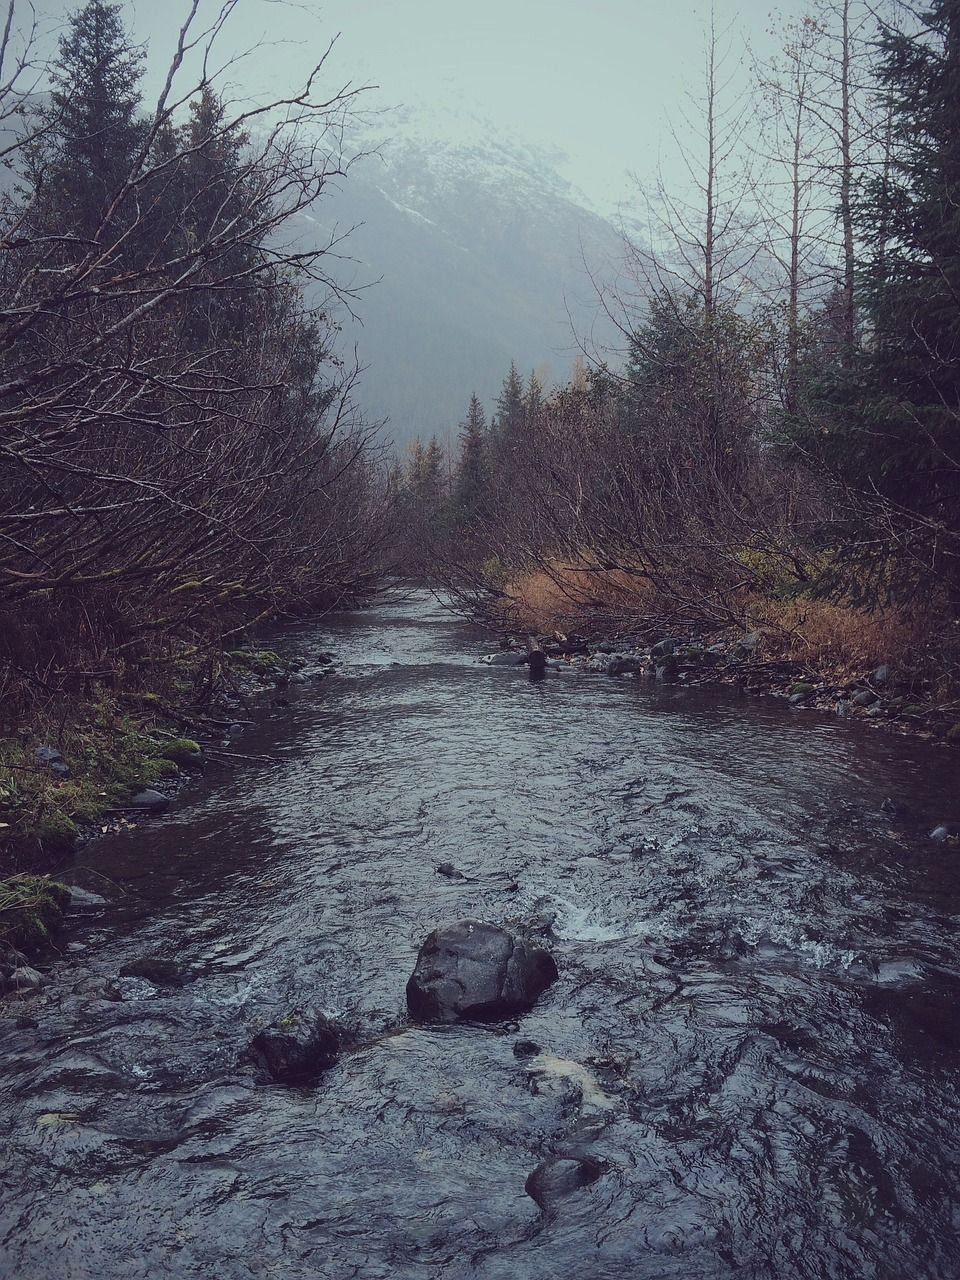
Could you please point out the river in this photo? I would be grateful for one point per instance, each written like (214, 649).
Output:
(755, 1027)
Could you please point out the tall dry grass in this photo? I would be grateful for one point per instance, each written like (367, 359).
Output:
(820, 634)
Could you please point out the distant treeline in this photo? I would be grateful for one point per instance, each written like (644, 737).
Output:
(782, 439)
(180, 451)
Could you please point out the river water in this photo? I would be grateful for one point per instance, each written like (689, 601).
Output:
(755, 1026)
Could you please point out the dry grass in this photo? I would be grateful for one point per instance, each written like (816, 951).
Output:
(823, 635)
(565, 597)
(826, 635)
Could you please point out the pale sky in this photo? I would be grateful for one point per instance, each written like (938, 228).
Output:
(596, 81)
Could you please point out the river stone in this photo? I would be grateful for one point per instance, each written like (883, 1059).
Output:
(22, 979)
(865, 698)
(507, 659)
(946, 831)
(470, 971)
(53, 759)
(663, 649)
(161, 971)
(297, 1048)
(149, 800)
(84, 900)
(622, 664)
(558, 1178)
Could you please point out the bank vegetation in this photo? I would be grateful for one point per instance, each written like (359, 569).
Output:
(776, 448)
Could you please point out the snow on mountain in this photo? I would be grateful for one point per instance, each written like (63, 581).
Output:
(478, 245)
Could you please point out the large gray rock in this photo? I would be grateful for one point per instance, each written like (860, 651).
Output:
(470, 971)
(298, 1048)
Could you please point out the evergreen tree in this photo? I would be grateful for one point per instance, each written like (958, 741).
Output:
(471, 490)
(93, 133)
(897, 432)
(510, 416)
(533, 401)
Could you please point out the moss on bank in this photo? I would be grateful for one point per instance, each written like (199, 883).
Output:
(31, 909)
(69, 767)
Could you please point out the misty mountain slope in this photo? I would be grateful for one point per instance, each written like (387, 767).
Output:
(476, 247)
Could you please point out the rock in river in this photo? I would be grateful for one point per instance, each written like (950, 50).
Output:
(471, 971)
(506, 659)
(150, 801)
(297, 1048)
(556, 1179)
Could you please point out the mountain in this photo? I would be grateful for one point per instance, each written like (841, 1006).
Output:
(477, 246)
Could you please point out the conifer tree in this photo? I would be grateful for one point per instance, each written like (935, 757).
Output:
(896, 429)
(93, 132)
(510, 414)
(471, 491)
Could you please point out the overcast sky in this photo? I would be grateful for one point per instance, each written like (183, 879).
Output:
(595, 80)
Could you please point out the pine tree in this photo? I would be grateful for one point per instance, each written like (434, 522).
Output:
(93, 133)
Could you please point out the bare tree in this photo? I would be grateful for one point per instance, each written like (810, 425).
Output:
(179, 441)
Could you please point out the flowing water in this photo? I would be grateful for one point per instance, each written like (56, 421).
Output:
(755, 1027)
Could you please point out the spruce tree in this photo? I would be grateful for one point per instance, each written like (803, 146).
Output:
(471, 490)
(533, 401)
(897, 432)
(93, 133)
(510, 416)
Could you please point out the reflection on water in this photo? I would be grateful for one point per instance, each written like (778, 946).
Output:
(755, 1027)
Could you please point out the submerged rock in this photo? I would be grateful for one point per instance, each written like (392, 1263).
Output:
(84, 900)
(526, 1049)
(667, 671)
(159, 970)
(946, 832)
(297, 1048)
(475, 971)
(560, 1177)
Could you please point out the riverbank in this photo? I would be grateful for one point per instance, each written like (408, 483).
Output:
(888, 667)
(107, 762)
